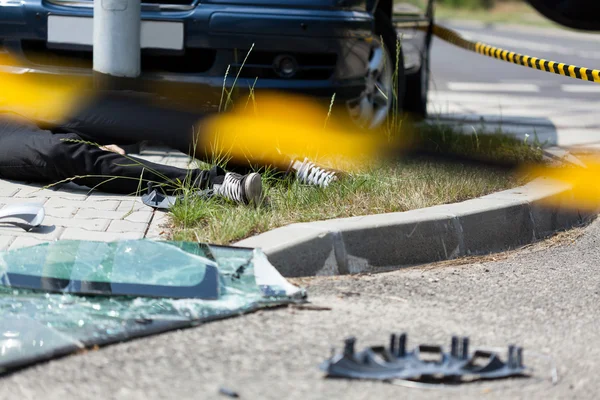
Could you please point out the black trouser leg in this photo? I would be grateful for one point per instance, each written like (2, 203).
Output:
(28, 153)
(114, 173)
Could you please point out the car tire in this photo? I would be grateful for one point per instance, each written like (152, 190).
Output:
(386, 30)
(417, 88)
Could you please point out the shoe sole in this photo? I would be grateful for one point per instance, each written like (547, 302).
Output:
(253, 188)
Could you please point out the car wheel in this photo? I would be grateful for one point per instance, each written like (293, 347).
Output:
(417, 87)
(383, 92)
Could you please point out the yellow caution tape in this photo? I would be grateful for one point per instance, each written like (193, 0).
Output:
(572, 71)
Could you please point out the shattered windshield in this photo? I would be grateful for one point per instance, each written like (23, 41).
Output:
(37, 324)
(135, 268)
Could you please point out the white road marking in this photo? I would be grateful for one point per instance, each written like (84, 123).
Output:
(544, 32)
(493, 87)
(534, 46)
(562, 121)
(589, 88)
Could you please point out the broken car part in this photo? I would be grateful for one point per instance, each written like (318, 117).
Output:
(125, 268)
(157, 199)
(424, 362)
(41, 324)
(27, 216)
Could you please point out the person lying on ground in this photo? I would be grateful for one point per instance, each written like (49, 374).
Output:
(86, 149)
(31, 154)
(125, 118)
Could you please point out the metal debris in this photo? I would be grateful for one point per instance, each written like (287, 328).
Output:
(425, 363)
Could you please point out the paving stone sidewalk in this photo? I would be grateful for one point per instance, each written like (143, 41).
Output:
(74, 213)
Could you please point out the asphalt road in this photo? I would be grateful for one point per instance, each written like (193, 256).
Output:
(455, 69)
(544, 298)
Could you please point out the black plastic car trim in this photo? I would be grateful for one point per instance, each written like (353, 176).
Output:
(207, 289)
(395, 362)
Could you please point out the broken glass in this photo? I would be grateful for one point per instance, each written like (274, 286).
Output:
(48, 316)
(129, 268)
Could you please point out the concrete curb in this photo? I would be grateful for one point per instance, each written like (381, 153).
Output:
(492, 223)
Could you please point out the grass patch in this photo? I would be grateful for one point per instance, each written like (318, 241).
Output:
(493, 147)
(389, 186)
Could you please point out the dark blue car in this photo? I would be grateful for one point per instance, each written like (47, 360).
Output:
(317, 47)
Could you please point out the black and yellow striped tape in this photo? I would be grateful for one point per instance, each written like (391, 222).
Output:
(572, 71)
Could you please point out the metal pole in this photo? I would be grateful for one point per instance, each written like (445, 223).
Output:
(117, 42)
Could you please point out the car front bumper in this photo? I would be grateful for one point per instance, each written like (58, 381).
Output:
(331, 48)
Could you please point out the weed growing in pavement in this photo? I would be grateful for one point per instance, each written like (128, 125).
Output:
(394, 121)
(228, 99)
(329, 111)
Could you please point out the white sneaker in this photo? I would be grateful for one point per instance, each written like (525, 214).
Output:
(245, 189)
